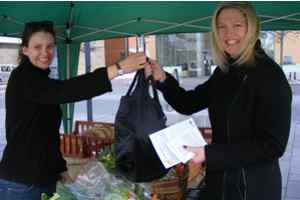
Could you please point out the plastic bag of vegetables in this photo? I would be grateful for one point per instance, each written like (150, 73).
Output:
(94, 182)
(91, 183)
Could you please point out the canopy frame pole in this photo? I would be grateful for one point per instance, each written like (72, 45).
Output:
(57, 27)
(172, 23)
(68, 124)
(60, 37)
(289, 18)
(98, 29)
(281, 47)
(89, 102)
(278, 18)
(140, 44)
(104, 29)
(179, 24)
(68, 62)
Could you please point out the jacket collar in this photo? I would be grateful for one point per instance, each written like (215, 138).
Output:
(258, 52)
(26, 63)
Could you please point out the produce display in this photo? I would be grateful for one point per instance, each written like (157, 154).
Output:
(97, 180)
(107, 158)
(63, 193)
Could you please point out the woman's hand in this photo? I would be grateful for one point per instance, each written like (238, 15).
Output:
(157, 72)
(65, 177)
(133, 62)
(129, 64)
(199, 152)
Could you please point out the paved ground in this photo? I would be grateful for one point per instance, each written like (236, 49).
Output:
(106, 106)
(290, 162)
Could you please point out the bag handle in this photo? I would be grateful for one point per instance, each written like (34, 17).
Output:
(134, 82)
(152, 83)
(139, 80)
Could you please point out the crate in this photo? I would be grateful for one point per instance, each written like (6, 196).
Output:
(78, 148)
(167, 190)
(173, 188)
(82, 143)
(81, 127)
(82, 146)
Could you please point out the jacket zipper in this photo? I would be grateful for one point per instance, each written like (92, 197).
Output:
(228, 138)
(245, 183)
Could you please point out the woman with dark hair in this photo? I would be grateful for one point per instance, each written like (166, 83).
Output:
(249, 104)
(32, 162)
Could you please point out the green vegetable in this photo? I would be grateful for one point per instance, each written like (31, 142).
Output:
(113, 196)
(54, 197)
(64, 192)
(44, 196)
(107, 158)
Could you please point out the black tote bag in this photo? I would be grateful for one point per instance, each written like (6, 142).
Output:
(138, 116)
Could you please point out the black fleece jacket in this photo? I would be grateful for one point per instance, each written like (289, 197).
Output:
(250, 111)
(33, 117)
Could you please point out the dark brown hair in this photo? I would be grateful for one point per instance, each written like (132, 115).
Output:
(30, 29)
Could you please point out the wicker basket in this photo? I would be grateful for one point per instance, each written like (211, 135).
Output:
(172, 189)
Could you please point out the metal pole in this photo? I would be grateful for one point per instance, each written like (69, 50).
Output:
(126, 47)
(141, 44)
(199, 56)
(281, 47)
(68, 124)
(68, 63)
(89, 103)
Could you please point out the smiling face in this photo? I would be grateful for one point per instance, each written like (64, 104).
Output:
(232, 31)
(40, 49)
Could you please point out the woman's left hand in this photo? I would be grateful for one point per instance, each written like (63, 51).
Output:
(199, 154)
(156, 70)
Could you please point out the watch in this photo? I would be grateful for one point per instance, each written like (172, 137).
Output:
(120, 70)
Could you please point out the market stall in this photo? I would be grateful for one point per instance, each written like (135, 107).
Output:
(90, 146)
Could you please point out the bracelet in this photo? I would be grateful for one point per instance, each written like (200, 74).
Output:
(120, 70)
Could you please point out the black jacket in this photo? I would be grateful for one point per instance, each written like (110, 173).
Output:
(250, 111)
(33, 118)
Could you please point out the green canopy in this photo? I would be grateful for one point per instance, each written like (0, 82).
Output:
(87, 21)
(77, 22)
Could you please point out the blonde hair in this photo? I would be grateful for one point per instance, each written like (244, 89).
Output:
(246, 55)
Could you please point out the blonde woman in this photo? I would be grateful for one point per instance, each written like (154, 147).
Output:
(249, 104)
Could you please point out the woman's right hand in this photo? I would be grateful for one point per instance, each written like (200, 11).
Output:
(129, 64)
(133, 62)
